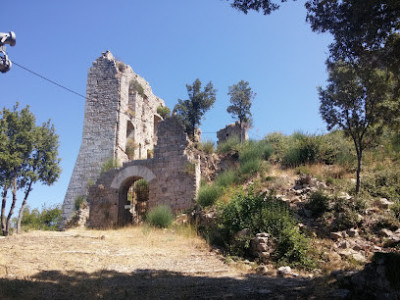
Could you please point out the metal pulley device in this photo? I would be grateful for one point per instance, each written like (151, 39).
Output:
(10, 39)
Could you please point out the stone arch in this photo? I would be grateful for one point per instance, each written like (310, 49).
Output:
(132, 171)
(123, 181)
(125, 215)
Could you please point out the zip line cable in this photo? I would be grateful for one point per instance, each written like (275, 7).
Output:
(49, 80)
(62, 86)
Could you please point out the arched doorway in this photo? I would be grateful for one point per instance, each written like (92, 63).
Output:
(133, 199)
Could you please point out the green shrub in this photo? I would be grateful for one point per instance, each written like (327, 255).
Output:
(161, 216)
(231, 146)
(207, 147)
(130, 148)
(208, 195)
(226, 178)
(258, 213)
(251, 157)
(134, 85)
(347, 212)
(109, 164)
(317, 204)
(303, 149)
(46, 219)
(250, 168)
(383, 183)
(141, 188)
(395, 208)
(80, 202)
(163, 111)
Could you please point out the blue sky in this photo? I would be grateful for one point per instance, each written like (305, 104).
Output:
(169, 43)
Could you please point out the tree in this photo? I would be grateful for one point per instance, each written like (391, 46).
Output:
(352, 101)
(16, 144)
(27, 154)
(192, 110)
(267, 6)
(365, 30)
(241, 100)
(43, 163)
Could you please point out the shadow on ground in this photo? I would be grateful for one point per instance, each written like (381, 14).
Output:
(155, 284)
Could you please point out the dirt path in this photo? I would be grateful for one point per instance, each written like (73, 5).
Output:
(131, 263)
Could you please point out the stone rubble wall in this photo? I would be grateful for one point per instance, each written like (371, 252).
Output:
(111, 103)
(232, 130)
(173, 177)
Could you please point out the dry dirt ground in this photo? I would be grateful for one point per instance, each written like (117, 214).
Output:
(132, 263)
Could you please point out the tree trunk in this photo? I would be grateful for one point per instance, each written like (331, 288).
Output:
(241, 132)
(358, 173)
(21, 210)
(3, 209)
(14, 200)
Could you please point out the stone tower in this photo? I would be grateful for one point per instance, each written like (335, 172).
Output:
(120, 123)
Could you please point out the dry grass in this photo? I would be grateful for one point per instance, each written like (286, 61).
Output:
(128, 263)
(122, 250)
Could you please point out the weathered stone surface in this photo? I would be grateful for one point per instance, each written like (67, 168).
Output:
(284, 271)
(384, 203)
(335, 235)
(231, 131)
(173, 179)
(120, 123)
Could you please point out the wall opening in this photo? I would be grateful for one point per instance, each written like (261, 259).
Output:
(130, 145)
(133, 201)
(156, 120)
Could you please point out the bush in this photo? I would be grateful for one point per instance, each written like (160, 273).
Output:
(141, 188)
(302, 150)
(47, 219)
(226, 178)
(161, 216)
(208, 195)
(347, 212)
(109, 164)
(255, 150)
(163, 111)
(231, 146)
(134, 85)
(250, 168)
(251, 157)
(257, 213)
(207, 147)
(80, 202)
(130, 148)
(337, 148)
(317, 204)
(383, 183)
(395, 208)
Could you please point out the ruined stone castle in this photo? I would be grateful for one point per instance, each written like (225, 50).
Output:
(121, 123)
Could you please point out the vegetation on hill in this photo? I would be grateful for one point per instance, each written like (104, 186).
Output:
(299, 189)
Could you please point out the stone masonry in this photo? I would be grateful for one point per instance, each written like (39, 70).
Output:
(120, 123)
(173, 176)
(232, 130)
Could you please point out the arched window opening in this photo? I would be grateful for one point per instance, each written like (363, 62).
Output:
(134, 196)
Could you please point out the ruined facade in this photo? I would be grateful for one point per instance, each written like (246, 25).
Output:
(233, 130)
(173, 176)
(120, 123)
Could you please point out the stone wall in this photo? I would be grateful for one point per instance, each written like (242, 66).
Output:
(173, 176)
(232, 130)
(120, 106)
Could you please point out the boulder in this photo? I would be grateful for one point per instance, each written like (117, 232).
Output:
(384, 203)
(335, 235)
(284, 271)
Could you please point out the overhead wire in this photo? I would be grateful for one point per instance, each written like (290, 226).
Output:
(62, 86)
(49, 80)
